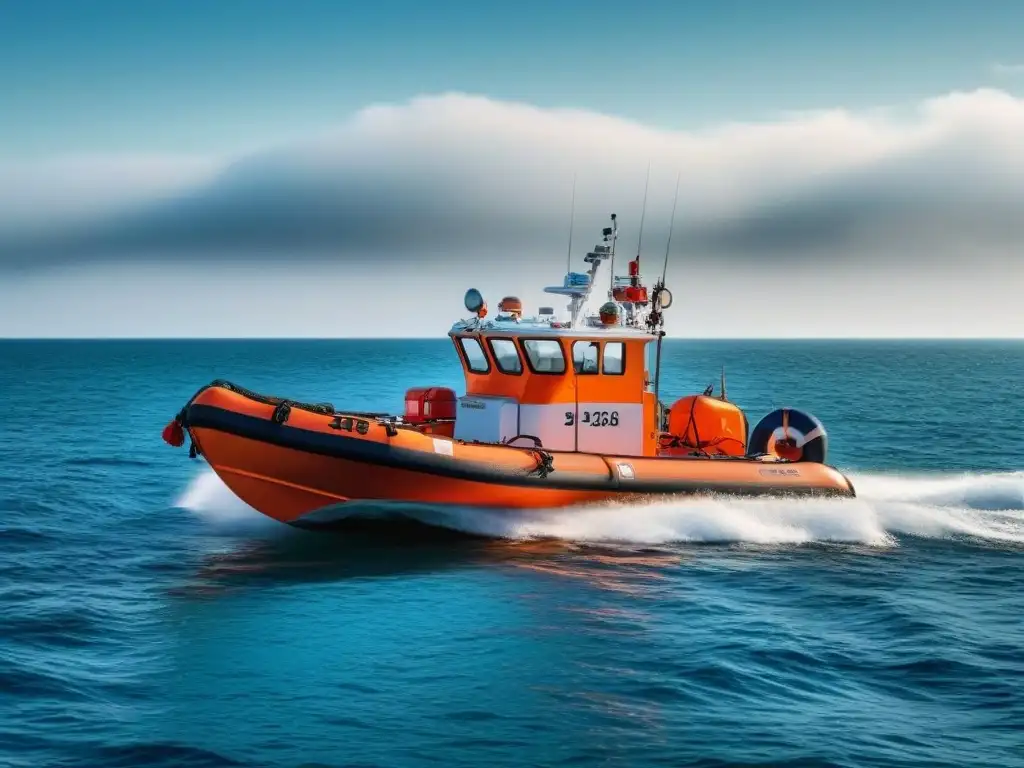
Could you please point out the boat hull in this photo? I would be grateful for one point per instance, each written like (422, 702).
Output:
(293, 467)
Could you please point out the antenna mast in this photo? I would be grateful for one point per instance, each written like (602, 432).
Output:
(643, 213)
(572, 219)
(671, 226)
(655, 319)
(579, 287)
(640, 239)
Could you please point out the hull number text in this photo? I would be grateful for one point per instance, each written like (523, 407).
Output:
(594, 418)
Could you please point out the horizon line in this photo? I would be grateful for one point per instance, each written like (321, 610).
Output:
(445, 337)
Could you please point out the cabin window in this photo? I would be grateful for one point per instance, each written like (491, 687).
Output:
(476, 359)
(584, 356)
(614, 362)
(544, 355)
(506, 356)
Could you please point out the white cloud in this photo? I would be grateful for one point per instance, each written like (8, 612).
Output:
(463, 170)
(79, 188)
(864, 213)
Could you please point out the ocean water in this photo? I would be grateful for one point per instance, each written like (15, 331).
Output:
(148, 618)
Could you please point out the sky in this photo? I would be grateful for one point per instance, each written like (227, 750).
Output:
(335, 169)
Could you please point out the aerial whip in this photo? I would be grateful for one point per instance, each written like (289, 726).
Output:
(671, 225)
(659, 304)
(643, 215)
(572, 218)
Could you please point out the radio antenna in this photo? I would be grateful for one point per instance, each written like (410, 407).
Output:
(572, 218)
(656, 325)
(671, 226)
(643, 213)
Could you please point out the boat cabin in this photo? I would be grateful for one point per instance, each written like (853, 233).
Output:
(588, 383)
(583, 383)
(573, 391)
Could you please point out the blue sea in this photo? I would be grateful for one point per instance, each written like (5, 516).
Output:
(149, 618)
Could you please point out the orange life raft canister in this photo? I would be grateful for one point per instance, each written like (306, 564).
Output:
(706, 425)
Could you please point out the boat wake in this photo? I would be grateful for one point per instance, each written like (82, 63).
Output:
(988, 507)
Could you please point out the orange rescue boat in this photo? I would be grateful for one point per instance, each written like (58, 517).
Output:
(556, 413)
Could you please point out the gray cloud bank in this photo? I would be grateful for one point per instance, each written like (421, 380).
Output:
(462, 175)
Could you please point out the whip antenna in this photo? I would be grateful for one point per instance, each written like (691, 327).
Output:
(671, 226)
(655, 319)
(572, 218)
(643, 213)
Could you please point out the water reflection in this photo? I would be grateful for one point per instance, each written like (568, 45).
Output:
(305, 557)
(606, 569)
(375, 549)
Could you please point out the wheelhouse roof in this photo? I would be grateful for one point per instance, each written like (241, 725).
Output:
(534, 327)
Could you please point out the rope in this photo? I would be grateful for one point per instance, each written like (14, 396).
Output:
(325, 409)
(545, 464)
(696, 433)
(282, 405)
(545, 461)
(673, 441)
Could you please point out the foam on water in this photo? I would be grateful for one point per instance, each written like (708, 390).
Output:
(209, 499)
(981, 506)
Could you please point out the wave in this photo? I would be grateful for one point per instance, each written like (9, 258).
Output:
(988, 507)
